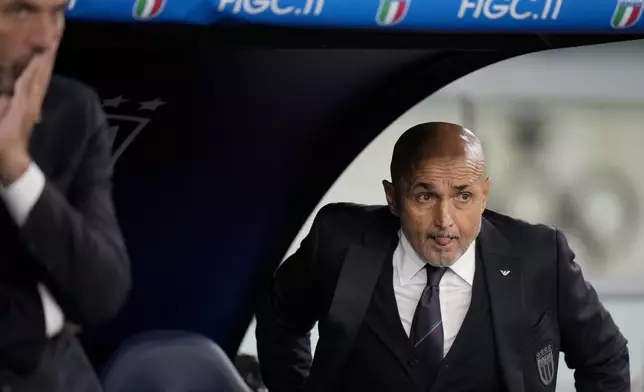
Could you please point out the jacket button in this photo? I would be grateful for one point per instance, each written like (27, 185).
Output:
(413, 362)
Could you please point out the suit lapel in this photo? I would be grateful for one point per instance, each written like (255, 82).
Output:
(356, 283)
(504, 278)
(357, 280)
(384, 318)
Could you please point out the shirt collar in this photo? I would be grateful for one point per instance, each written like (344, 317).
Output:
(408, 263)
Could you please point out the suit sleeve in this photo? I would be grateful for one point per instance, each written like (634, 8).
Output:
(286, 316)
(592, 343)
(75, 239)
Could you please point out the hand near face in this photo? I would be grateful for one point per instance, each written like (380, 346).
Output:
(19, 114)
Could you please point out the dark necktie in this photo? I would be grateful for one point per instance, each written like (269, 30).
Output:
(427, 327)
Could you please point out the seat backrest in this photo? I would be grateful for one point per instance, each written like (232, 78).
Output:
(171, 361)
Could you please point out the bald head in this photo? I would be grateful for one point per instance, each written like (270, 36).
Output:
(438, 190)
(434, 140)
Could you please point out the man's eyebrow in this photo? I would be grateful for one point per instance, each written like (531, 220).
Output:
(424, 186)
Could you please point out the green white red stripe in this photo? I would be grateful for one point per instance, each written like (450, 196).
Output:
(627, 13)
(147, 9)
(392, 12)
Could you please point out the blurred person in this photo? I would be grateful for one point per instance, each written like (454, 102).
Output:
(433, 291)
(63, 256)
(248, 368)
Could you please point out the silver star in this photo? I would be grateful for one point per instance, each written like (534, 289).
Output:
(151, 105)
(114, 102)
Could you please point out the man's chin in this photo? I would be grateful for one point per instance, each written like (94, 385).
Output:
(441, 263)
(443, 259)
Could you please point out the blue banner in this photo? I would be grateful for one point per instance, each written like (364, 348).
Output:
(441, 15)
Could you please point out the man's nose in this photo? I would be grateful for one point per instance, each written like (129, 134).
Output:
(44, 34)
(443, 216)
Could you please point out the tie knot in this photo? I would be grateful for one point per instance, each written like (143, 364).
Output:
(434, 274)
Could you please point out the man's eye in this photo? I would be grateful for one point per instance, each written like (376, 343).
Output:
(464, 197)
(18, 11)
(425, 197)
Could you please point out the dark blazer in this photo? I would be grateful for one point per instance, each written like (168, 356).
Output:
(71, 241)
(542, 300)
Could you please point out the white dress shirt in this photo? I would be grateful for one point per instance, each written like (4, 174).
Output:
(20, 197)
(410, 280)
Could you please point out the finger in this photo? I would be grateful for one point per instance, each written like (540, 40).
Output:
(49, 59)
(26, 78)
(40, 83)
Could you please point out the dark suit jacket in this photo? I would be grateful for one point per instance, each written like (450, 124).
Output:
(544, 299)
(71, 241)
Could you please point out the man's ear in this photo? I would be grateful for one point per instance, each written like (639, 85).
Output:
(486, 191)
(390, 194)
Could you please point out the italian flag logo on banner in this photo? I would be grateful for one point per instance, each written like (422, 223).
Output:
(627, 13)
(147, 9)
(392, 12)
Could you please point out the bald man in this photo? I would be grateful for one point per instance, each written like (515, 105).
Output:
(434, 292)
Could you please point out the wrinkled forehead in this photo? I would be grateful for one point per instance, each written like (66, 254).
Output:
(453, 171)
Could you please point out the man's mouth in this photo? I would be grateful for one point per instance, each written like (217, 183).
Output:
(7, 82)
(443, 241)
(9, 75)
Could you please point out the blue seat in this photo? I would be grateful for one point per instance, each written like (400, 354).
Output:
(171, 361)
